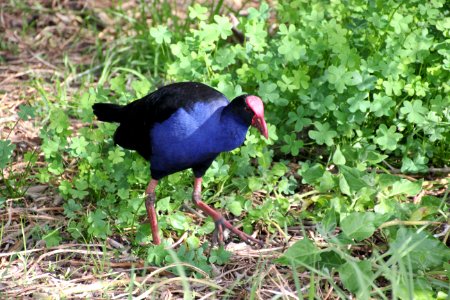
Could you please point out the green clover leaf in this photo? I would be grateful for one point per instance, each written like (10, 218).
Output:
(6, 151)
(299, 119)
(323, 134)
(336, 76)
(381, 105)
(415, 112)
(223, 26)
(293, 144)
(161, 34)
(387, 138)
(198, 12)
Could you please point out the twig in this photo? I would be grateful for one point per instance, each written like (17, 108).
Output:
(111, 264)
(96, 286)
(163, 269)
(330, 290)
(182, 238)
(25, 212)
(25, 252)
(417, 198)
(36, 56)
(14, 234)
(77, 251)
(282, 282)
(389, 166)
(230, 271)
(43, 217)
(208, 295)
(407, 223)
(71, 77)
(444, 232)
(8, 119)
(9, 216)
(170, 280)
(31, 71)
(445, 170)
(306, 194)
(281, 231)
(115, 244)
(439, 170)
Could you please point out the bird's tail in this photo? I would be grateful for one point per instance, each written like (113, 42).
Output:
(108, 112)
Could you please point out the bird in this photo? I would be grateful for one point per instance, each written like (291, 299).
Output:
(180, 126)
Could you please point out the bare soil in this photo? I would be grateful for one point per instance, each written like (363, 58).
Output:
(37, 40)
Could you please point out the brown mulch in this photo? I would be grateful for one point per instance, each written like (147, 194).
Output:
(35, 40)
(40, 40)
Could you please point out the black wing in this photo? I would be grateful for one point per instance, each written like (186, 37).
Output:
(139, 116)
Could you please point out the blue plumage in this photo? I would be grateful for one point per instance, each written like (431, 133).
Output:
(181, 126)
(194, 136)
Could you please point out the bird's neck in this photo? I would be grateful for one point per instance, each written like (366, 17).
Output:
(232, 130)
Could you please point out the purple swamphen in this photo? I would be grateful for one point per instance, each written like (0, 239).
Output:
(181, 126)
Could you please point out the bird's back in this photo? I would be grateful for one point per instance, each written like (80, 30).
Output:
(139, 117)
(188, 138)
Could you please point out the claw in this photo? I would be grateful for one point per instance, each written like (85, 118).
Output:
(218, 233)
(217, 237)
(219, 220)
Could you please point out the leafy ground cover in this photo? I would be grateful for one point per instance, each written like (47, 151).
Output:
(350, 193)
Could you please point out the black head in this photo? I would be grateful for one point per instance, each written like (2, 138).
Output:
(250, 109)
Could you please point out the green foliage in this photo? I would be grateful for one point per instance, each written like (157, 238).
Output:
(6, 151)
(303, 252)
(14, 182)
(219, 256)
(386, 138)
(339, 70)
(356, 276)
(191, 256)
(347, 88)
(404, 263)
(53, 238)
(412, 248)
(161, 34)
(360, 226)
(26, 112)
(323, 134)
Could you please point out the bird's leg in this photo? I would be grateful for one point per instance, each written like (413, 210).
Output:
(150, 206)
(219, 220)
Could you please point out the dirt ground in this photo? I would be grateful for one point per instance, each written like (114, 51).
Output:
(39, 42)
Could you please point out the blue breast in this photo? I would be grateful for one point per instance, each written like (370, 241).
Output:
(193, 136)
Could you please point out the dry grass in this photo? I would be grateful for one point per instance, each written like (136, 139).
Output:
(37, 36)
(96, 271)
(111, 270)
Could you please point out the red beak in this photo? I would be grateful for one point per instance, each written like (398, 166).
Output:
(256, 104)
(259, 123)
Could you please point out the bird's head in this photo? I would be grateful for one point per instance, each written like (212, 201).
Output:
(256, 106)
(251, 109)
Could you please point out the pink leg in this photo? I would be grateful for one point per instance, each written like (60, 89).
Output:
(150, 206)
(219, 220)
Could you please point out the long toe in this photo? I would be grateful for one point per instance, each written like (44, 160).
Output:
(249, 239)
(217, 238)
(221, 223)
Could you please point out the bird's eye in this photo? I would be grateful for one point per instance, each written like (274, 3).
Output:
(247, 108)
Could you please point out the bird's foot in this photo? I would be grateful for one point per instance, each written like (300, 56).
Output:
(221, 223)
(219, 220)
